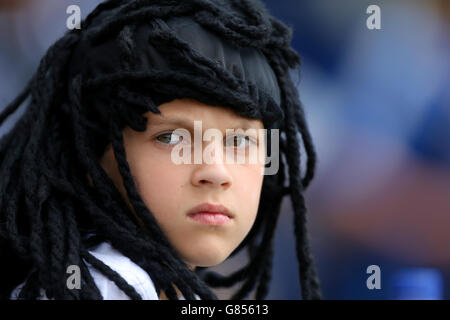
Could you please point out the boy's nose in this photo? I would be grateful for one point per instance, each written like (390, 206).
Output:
(214, 175)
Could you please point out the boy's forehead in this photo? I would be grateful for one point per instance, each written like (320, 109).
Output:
(186, 111)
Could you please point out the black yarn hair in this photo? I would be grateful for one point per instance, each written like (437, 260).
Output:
(47, 202)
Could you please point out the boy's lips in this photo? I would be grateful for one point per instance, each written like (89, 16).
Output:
(210, 213)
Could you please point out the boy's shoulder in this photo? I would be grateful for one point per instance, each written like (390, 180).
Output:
(127, 269)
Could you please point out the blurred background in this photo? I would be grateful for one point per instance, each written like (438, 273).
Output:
(378, 107)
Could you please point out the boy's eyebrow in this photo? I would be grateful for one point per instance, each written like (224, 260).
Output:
(163, 120)
(187, 122)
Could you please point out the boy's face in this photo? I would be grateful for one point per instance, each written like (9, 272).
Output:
(170, 191)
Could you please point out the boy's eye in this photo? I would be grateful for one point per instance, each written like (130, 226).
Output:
(167, 137)
(240, 141)
(237, 141)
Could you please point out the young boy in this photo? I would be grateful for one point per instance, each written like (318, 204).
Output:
(91, 179)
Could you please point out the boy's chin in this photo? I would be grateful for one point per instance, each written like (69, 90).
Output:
(206, 262)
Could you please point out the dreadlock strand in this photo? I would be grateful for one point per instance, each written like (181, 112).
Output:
(56, 232)
(38, 244)
(141, 16)
(16, 103)
(135, 199)
(216, 280)
(137, 4)
(102, 7)
(166, 38)
(266, 275)
(73, 241)
(30, 290)
(112, 275)
(264, 253)
(11, 208)
(126, 45)
(309, 147)
(89, 291)
(148, 218)
(308, 278)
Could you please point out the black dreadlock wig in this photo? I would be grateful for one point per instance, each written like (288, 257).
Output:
(129, 57)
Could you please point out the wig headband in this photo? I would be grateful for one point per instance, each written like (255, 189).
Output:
(204, 67)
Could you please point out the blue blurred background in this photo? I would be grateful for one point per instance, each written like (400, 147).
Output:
(378, 107)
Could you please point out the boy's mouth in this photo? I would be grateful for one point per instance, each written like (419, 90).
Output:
(210, 214)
